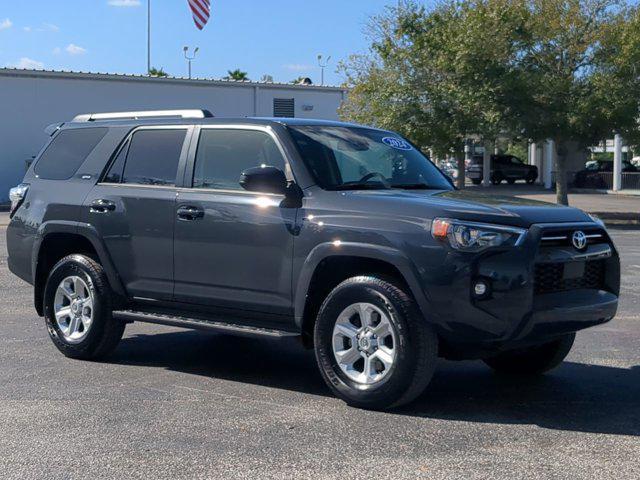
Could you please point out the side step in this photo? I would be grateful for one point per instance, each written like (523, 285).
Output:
(198, 324)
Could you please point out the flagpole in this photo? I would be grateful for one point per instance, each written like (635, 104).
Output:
(148, 36)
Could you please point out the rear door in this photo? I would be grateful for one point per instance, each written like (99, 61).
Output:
(132, 208)
(235, 249)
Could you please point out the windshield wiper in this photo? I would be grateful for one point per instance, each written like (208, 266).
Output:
(415, 186)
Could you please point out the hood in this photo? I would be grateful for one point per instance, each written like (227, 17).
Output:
(464, 205)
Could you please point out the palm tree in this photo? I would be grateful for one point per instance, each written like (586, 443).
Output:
(155, 72)
(237, 75)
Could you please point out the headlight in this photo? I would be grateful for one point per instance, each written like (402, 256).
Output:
(475, 237)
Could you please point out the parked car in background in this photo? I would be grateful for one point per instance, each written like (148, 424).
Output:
(503, 167)
(591, 176)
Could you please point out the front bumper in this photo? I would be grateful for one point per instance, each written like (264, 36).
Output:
(524, 306)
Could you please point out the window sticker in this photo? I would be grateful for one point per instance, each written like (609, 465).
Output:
(397, 143)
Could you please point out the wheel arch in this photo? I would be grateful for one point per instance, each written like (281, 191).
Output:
(56, 240)
(327, 265)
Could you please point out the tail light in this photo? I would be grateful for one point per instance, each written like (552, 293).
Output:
(17, 196)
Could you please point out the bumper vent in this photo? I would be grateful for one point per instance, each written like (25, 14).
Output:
(550, 277)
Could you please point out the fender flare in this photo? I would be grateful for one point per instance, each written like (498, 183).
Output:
(389, 255)
(89, 233)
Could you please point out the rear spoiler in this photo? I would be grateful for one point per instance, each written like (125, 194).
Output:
(53, 128)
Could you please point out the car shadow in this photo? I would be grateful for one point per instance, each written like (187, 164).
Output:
(574, 397)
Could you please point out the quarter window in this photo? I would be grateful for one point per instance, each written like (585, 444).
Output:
(67, 152)
(224, 153)
(152, 157)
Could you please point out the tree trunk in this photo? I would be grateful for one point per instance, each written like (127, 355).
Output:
(461, 169)
(562, 196)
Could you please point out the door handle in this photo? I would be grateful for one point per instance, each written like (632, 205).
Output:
(102, 206)
(190, 213)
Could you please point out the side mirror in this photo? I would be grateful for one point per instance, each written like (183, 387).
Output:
(264, 179)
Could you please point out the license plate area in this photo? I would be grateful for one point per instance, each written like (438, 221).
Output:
(573, 270)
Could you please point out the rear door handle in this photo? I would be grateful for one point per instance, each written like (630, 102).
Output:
(102, 206)
(190, 213)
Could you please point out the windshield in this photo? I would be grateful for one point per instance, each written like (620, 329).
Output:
(350, 158)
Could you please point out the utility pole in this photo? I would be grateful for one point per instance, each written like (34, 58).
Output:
(322, 66)
(148, 36)
(185, 49)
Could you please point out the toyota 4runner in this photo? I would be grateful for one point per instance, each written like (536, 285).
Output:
(346, 237)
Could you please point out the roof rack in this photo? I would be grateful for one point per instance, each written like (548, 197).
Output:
(95, 117)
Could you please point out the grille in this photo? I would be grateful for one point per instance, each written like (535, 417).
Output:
(549, 277)
(562, 238)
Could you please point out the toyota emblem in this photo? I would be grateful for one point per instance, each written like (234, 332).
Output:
(579, 239)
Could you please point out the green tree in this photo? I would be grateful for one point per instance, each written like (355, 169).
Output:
(520, 69)
(237, 75)
(157, 72)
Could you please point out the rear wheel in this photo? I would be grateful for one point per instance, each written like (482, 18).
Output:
(476, 181)
(511, 181)
(77, 309)
(533, 360)
(373, 347)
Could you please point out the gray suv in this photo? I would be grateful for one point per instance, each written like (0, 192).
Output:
(345, 237)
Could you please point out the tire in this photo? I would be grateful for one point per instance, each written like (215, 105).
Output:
(102, 333)
(476, 181)
(496, 179)
(415, 345)
(530, 180)
(533, 360)
(511, 181)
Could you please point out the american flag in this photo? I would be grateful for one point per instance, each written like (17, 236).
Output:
(200, 10)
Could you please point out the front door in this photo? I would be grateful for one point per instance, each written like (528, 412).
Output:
(132, 209)
(233, 248)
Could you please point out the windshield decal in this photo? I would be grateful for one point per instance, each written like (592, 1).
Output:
(397, 143)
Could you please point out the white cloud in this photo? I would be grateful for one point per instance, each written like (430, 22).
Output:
(124, 3)
(72, 49)
(27, 63)
(298, 67)
(5, 24)
(50, 27)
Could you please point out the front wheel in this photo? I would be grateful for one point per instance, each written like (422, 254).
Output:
(476, 181)
(533, 360)
(373, 347)
(77, 309)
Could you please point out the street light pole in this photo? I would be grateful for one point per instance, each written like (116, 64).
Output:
(185, 49)
(322, 66)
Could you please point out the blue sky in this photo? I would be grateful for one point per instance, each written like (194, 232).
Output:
(277, 37)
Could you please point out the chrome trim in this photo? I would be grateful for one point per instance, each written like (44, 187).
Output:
(549, 239)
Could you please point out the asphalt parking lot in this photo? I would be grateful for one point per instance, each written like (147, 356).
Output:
(171, 403)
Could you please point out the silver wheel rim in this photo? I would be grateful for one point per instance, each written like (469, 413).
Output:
(364, 343)
(73, 309)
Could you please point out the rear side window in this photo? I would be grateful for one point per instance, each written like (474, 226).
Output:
(67, 152)
(223, 155)
(152, 158)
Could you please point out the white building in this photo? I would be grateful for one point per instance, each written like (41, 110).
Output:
(32, 99)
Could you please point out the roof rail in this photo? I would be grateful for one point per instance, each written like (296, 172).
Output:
(95, 117)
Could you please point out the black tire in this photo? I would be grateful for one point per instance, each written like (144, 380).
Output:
(511, 181)
(476, 181)
(105, 332)
(417, 346)
(496, 179)
(530, 180)
(533, 360)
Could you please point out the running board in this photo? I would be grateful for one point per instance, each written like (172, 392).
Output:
(198, 324)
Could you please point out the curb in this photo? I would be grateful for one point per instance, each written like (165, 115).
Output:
(618, 218)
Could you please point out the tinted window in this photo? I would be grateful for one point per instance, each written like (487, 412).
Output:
(223, 155)
(115, 171)
(153, 157)
(68, 150)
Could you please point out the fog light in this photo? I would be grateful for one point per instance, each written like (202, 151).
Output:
(480, 288)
